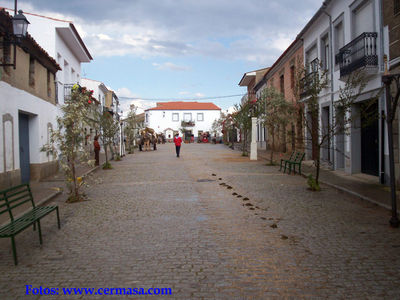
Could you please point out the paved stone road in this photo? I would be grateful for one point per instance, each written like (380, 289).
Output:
(160, 221)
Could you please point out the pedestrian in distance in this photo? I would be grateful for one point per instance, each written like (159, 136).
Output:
(178, 143)
(96, 150)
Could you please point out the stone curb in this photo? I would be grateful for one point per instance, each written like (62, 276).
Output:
(345, 190)
(362, 197)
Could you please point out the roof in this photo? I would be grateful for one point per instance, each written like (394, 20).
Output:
(250, 75)
(315, 17)
(69, 34)
(180, 105)
(272, 68)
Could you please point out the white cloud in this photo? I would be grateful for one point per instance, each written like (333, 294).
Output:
(171, 66)
(183, 93)
(125, 92)
(199, 95)
(254, 30)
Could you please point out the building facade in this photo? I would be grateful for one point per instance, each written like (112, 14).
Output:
(282, 77)
(250, 80)
(341, 39)
(63, 42)
(27, 109)
(190, 118)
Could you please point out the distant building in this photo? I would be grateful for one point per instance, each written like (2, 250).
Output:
(192, 118)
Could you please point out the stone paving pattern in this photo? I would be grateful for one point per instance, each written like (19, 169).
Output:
(210, 225)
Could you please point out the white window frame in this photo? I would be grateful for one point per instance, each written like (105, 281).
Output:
(185, 117)
(202, 117)
(175, 115)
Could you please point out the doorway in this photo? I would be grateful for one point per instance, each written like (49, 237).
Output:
(370, 139)
(24, 160)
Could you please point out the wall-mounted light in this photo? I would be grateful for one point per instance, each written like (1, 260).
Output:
(20, 27)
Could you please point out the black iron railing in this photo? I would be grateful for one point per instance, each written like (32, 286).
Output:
(308, 81)
(360, 52)
(187, 123)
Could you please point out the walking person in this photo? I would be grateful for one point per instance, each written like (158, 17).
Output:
(96, 150)
(178, 143)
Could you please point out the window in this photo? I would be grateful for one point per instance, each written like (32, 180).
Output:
(48, 84)
(339, 38)
(187, 117)
(325, 52)
(200, 117)
(396, 6)
(292, 77)
(31, 71)
(282, 84)
(175, 117)
(6, 59)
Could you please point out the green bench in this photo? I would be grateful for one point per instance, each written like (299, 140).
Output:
(15, 197)
(286, 161)
(295, 159)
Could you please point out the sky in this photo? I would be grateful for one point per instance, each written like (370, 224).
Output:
(178, 49)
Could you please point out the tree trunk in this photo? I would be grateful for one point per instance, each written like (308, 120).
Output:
(106, 153)
(317, 164)
(273, 146)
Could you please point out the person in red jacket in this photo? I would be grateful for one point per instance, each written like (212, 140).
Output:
(96, 150)
(178, 143)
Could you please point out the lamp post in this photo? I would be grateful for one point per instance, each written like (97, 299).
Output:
(19, 27)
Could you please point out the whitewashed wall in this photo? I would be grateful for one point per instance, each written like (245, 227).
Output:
(44, 32)
(160, 120)
(13, 101)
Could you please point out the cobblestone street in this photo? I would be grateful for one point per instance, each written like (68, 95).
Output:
(210, 224)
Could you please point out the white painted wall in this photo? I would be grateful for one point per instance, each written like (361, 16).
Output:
(160, 120)
(12, 101)
(94, 86)
(43, 30)
(342, 9)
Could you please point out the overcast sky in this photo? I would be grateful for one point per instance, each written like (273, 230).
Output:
(179, 48)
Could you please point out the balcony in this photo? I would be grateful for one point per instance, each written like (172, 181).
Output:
(307, 82)
(359, 53)
(187, 123)
(67, 91)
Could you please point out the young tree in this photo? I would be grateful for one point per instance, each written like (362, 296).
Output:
(109, 128)
(130, 129)
(242, 118)
(217, 124)
(276, 113)
(322, 136)
(67, 141)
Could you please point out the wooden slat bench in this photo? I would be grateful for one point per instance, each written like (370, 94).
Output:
(15, 197)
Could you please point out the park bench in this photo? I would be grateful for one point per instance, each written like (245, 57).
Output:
(286, 161)
(296, 162)
(21, 196)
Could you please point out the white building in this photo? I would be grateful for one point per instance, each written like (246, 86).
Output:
(63, 42)
(27, 109)
(170, 117)
(344, 37)
(98, 88)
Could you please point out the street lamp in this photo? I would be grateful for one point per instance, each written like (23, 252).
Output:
(20, 26)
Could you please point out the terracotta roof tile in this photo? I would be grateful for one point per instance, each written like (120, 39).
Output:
(180, 105)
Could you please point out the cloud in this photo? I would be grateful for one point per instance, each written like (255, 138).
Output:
(254, 30)
(199, 95)
(171, 67)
